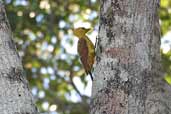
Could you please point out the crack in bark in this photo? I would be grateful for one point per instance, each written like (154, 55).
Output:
(15, 74)
(111, 101)
(4, 24)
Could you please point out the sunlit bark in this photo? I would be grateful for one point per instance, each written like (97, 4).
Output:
(128, 75)
(15, 96)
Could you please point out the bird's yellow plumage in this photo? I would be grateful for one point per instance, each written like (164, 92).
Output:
(85, 49)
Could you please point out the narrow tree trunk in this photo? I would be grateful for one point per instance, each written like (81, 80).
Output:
(128, 76)
(15, 96)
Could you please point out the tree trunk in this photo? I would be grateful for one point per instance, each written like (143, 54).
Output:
(15, 96)
(128, 75)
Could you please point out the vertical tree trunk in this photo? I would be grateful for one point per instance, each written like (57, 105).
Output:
(15, 96)
(128, 76)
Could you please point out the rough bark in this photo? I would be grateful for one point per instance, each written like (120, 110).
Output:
(128, 75)
(15, 96)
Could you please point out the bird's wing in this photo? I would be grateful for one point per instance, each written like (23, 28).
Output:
(83, 52)
(91, 53)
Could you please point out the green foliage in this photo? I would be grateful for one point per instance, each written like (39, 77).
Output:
(42, 31)
(165, 16)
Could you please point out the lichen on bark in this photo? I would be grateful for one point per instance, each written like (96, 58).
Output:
(128, 74)
(15, 95)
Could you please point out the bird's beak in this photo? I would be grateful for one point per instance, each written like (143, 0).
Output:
(87, 30)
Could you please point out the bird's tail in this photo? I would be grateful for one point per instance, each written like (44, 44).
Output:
(91, 76)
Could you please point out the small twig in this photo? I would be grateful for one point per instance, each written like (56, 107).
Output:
(71, 80)
(73, 85)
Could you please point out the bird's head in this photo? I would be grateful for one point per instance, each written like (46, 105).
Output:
(80, 32)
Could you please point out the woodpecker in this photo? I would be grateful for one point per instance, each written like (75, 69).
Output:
(86, 49)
